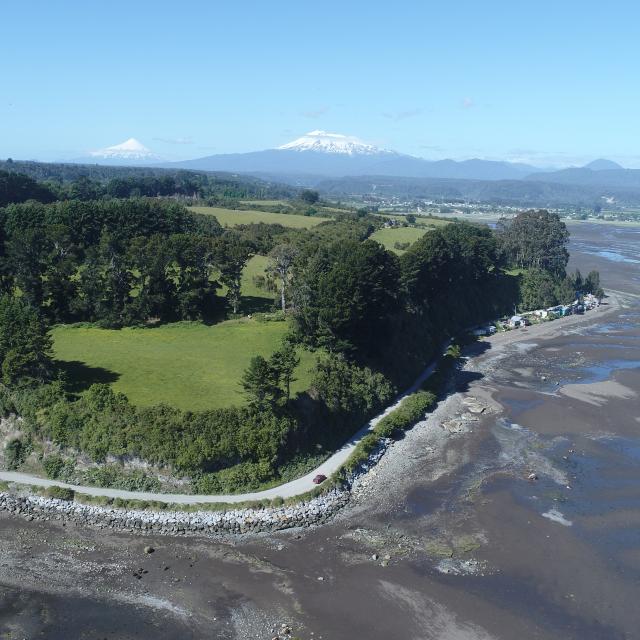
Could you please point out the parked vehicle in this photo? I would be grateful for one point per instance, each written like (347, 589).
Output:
(319, 479)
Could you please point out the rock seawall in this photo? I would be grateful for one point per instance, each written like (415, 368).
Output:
(315, 511)
(311, 512)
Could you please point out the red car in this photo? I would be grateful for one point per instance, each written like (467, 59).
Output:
(319, 478)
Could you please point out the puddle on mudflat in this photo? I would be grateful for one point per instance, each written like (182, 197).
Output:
(546, 371)
(512, 450)
(517, 406)
(600, 498)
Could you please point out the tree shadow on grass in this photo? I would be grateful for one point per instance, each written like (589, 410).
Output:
(79, 376)
(253, 304)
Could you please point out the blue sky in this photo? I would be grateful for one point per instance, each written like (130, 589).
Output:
(552, 83)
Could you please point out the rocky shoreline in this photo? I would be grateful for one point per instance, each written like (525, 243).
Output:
(237, 521)
(313, 512)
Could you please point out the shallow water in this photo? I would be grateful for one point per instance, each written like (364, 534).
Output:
(516, 569)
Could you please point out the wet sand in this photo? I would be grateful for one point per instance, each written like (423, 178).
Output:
(512, 512)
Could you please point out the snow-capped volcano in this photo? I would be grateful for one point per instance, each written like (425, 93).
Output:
(322, 154)
(324, 142)
(130, 149)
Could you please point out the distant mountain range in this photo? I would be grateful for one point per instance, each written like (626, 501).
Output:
(319, 155)
(599, 173)
(323, 154)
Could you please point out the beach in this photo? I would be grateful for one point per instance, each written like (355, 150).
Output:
(512, 511)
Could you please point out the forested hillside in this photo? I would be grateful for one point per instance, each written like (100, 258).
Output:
(88, 182)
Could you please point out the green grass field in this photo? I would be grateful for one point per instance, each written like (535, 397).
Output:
(267, 203)
(421, 220)
(233, 217)
(388, 237)
(255, 267)
(253, 298)
(187, 364)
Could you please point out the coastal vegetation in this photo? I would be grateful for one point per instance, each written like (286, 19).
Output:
(138, 329)
(535, 245)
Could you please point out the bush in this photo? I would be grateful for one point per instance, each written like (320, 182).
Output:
(361, 452)
(275, 316)
(53, 466)
(6, 403)
(16, 453)
(116, 477)
(241, 477)
(60, 493)
(410, 411)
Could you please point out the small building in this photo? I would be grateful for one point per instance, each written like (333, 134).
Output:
(518, 321)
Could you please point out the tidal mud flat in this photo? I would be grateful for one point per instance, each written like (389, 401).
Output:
(513, 511)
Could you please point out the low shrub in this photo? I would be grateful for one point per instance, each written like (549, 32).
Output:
(16, 452)
(6, 402)
(116, 477)
(53, 466)
(411, 410)
(246, 476)
(275, 316)
(60, 493)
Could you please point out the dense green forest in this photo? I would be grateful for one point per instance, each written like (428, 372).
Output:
(45, 182)
(375, 320)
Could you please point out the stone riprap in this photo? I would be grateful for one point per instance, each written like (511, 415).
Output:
(233, 521)
(311, 512)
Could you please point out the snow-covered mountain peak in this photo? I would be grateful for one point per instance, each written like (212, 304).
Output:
(130, 149)
(324, 142)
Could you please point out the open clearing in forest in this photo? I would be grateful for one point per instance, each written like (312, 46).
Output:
(235, 217)
(389, 236)
(267, 203)
(188, 365)
(421, 220)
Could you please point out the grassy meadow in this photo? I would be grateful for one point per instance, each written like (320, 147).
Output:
(188, 365)
(255, 267)
(267, 203)
(389, 236)
(235, 217)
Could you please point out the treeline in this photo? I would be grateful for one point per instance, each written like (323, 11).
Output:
(536, 242)
(16, 187)
(44, 182)
(118, 262)
(393, 312)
